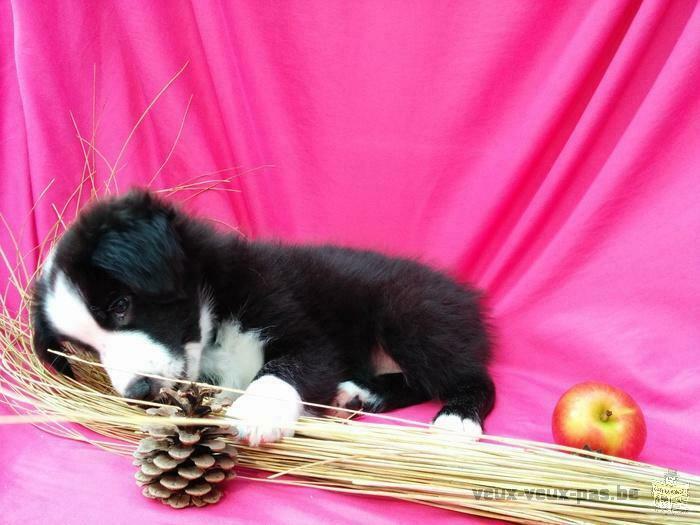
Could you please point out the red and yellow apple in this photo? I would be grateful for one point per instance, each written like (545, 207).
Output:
(599, 417)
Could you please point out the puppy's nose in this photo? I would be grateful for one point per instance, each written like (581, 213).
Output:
(140, 388)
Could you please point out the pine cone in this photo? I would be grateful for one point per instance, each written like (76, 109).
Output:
(184, 465)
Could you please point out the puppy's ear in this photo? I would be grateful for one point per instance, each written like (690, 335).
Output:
(44, 337)
(145, 255)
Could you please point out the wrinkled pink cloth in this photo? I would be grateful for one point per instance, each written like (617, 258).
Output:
(548, 152)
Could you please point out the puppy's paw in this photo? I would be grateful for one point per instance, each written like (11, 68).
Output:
(266, 412)
(454, 423)
(352, 397)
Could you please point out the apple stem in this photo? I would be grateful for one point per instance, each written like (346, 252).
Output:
(605, 415)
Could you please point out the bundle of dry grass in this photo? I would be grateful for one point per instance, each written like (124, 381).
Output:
(514, 480)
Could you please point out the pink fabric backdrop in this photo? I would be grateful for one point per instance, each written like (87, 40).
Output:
(547, 151)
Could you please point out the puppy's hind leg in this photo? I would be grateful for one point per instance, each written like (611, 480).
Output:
(377, 394)
(466, 405)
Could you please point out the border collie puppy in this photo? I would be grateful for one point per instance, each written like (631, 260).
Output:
(151, 290)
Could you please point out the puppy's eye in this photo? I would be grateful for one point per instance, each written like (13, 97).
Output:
(120, 307)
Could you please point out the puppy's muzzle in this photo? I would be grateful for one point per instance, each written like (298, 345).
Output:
(142, 388)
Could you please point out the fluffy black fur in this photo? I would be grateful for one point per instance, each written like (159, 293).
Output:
(323, 309)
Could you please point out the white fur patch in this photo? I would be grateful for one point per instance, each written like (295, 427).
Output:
(48, 264)
(195, 349)
(236, 356)
(123, 353)
(266, 412)
(454, 423)
(347, 391)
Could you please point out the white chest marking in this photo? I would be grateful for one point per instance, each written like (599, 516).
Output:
(195, 349)
(235, 357)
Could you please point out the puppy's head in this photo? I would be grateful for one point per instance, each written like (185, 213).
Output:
(118, 283)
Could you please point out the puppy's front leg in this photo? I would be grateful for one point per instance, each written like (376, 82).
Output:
(272, 403)
(267, 411)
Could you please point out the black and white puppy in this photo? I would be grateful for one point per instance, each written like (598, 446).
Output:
(152, 290)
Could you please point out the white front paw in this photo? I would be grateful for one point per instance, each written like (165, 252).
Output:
(453, 423)
(266, 412)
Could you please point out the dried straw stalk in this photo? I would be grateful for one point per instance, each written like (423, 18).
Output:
(496, 477)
